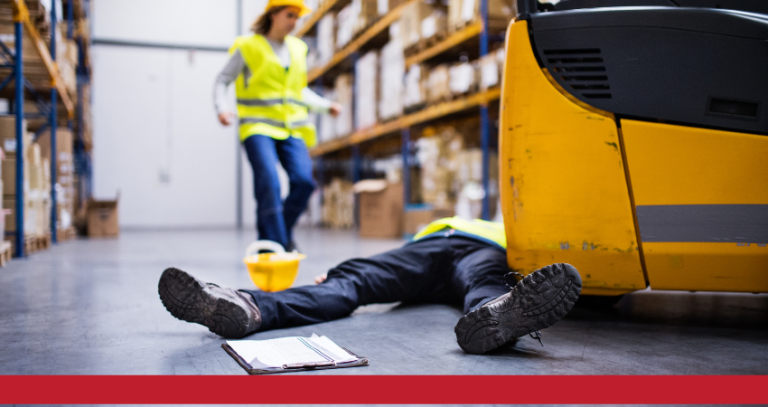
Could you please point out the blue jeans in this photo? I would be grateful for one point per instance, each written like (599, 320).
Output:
(437, 270)
(274, 218)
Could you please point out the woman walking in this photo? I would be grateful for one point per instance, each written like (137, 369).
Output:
(269, 69)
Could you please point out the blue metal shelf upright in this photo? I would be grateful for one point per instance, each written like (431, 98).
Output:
(14, 60)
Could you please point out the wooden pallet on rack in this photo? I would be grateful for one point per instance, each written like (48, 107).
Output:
(63, 235)
(470, 31)
(5, 252)
(427, 114)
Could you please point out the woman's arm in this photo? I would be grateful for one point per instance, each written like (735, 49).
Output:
(227, 75)
(317, 103)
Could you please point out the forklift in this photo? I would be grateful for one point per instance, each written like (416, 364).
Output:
(633, 143)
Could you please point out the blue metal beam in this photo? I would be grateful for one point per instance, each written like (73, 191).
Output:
(71, 19)
(356, 163)
(53, 118)
(484, 122)
(405, 135)
(485, 146)
(19, 105)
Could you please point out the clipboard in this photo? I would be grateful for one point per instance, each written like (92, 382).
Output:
(361, 361)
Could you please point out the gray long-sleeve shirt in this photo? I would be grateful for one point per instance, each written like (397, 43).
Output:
(236, 65)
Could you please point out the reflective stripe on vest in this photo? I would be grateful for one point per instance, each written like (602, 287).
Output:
(274, 123)
(493, 231)
(269, 101)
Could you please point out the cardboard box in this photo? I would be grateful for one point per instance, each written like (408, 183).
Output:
(392, 71)
(102, 219)
(439, 84)
(326, 35)
(9, 176)
(344, 91)
(35, 215)
(381, 209)
(366, 79)
(410, 21)
(8, 134)
(338, 204)
(64, 145)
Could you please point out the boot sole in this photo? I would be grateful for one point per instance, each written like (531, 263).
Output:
(514, 314)
(184, 297)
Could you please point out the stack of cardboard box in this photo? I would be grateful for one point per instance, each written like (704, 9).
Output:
(66, 59)
(438, 85)
(334, 127)
(415, 85)
(451, 173)
(65, 186)
(338, 204)
(343, 91)
(36, 187)
(367, 13)
(381, 208)
(463, 78)
(392, 72)
(326, 34)
(366, 79)
(10, 147)
(464, 12)
(345, 26)
(421, 20)
(490, 68)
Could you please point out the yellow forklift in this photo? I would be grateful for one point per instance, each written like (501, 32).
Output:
(634, 143)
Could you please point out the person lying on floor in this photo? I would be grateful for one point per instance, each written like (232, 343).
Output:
(451, 260)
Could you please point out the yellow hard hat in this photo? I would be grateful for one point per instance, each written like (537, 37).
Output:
(293, 3)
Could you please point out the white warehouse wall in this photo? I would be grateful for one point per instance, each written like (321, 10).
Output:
(156, 137)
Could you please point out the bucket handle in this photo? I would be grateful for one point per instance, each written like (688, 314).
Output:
(254, 247)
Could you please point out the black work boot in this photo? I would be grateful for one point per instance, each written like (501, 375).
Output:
(226, 312)
(538, 301)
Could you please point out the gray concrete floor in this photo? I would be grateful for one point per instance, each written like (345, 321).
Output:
(91, 307)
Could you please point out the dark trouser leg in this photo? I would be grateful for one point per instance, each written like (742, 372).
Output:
(262, 154)
(295, 158)
(416, 272)
(478, 276)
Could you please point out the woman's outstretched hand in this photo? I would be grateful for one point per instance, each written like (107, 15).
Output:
(335, 109)
(225, 118)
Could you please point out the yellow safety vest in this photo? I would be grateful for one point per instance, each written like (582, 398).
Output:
(269, 102)
(493, 231)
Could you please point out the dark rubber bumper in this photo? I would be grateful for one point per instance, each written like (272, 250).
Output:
(538, 301)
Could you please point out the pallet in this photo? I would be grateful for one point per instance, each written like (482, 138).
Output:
(44, 241)
(63, 235)
(6, 252)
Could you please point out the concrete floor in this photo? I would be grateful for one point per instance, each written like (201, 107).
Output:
(91, 307)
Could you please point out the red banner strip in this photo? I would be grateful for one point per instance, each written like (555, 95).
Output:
(303, 389)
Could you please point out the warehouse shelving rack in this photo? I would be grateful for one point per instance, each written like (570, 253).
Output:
(22, 23)
(477, 30)
(81, 152)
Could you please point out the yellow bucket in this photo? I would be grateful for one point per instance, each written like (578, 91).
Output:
(272, 271)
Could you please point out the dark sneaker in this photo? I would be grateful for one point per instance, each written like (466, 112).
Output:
(226, 312)
(538, 301)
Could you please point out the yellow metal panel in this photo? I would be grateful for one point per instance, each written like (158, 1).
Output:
(677, 165)
(707, 266)
(563, 186)
(673, 166)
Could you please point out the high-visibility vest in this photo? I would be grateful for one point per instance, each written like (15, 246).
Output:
(269, 101)
(493, 231)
